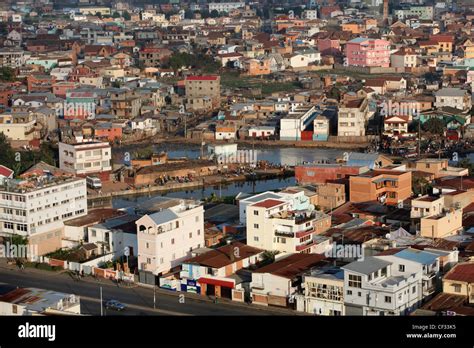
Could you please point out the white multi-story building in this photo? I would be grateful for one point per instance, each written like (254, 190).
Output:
(310, 14)
(88, 158)
(391, 284)
(273, 225)
(352, 118)
(295, 122)
(12, 57)
(167, 237)
(37, 206)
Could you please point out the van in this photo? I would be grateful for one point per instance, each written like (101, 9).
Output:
(93, 182)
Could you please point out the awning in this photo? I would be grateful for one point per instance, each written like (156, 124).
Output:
(213, 281)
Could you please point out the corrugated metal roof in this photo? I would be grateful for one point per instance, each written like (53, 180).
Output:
(369, 265)
(423, 257)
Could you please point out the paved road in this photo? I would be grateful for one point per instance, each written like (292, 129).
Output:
(139, 300)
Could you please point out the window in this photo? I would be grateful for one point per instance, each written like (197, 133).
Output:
(94, 233)
(190, 235)
(413, 289)
(388, 299)
(255, 225)
(457, 287)
(349, 292)
(255, 212)
(255, 238)
(8, 225)
(355, 281)
(359, 294)
(172, 240)
(196, 219)
(147, 245)
(401, 268)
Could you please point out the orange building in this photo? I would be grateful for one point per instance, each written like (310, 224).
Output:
(107, 131)
(386, 186)
(256, 67)
(354, 28)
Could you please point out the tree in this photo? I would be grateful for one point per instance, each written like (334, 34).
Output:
(214, 14)
(268, 256)
(189, 14)
(7, 155)
(99, 15)
(3, 28)
(334, 93)
(420, 185)
(116, 15)
(413, 126)
(127, 16)
(434, 126)
(7, 74)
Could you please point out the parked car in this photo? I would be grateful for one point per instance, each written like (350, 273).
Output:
(115, 305)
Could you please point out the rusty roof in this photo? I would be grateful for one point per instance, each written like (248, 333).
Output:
(462, 272)
(225, 255)
(293, 265)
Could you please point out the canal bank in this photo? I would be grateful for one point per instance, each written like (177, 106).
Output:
(212, 184)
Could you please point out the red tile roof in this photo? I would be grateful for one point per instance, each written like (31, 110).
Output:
(6, 172)
(463, 272)
(268, 203)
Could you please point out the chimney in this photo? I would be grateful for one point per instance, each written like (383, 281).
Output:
(385, 12)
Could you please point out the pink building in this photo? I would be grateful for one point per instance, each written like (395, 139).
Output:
(368, 52)
(329, 46)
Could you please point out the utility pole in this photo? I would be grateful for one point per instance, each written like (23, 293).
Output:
(101, 303)
(154, 296)
(419, 136)
(185, 126)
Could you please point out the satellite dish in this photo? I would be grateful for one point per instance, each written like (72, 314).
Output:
(311, 207)
(388, 236)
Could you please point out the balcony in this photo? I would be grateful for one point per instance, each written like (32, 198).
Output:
(305, 232)
(306, 245)
(13, 204)
(284, 234)
(14, 218)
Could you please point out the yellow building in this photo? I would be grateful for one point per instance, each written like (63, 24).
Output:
(19, 126)
(442, 225)
(460, 281)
